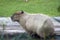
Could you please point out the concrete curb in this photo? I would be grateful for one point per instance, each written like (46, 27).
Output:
(14, 27)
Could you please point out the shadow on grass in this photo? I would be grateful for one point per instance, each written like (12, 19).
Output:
(59, 9)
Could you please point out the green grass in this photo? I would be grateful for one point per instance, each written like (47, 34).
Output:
(22, 36)
(49, 7)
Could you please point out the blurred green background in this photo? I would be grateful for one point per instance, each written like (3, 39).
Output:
(49, 7)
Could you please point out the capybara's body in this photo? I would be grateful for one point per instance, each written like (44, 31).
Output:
(39, 24)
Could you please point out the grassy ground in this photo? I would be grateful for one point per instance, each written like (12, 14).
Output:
(49, 7)
(22, 36)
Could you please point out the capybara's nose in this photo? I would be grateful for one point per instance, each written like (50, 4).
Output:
(11, 17)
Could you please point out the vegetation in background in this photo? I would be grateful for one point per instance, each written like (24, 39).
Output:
(49, 7)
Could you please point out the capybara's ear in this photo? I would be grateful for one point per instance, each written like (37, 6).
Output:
(19, 12)
(22, 11)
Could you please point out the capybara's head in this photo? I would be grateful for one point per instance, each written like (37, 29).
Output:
(16, 16)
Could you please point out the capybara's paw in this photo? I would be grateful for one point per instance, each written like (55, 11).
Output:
(35, 36)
